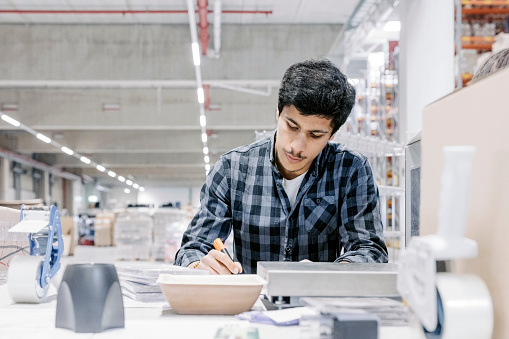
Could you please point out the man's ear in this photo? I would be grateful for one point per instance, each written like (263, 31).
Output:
(277, 114)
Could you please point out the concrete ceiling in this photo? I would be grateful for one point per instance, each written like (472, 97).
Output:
(115, 80)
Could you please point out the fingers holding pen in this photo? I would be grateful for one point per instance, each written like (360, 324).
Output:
(219, 246)
(219, 263)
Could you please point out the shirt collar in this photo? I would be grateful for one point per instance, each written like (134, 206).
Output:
(272, 144)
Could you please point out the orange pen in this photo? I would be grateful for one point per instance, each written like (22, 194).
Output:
(218, 245)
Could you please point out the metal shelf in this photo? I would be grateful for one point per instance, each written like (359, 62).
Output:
(484, 11)
(393, 234)
(391, 190)
(485, 2)
(370, 146)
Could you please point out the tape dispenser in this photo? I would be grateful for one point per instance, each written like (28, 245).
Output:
(29, 276)
(449, 305)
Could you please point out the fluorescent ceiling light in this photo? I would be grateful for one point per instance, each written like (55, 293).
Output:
(64, 149)
(203, 121)
(136, 186)
(206, 159)
(392, 26)
(85, 160)
(142, 189)
(205, 150)
(43, 138)
(204, 137)
(121, 178)
(127, 190)
(196, 53)
(10, 120)
(129, 182)
(201, 96)
(206, 172)
(207, 167)
(67, 150)
(93, 198)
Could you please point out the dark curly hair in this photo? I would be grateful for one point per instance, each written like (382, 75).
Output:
(317, 87)
(495, 62)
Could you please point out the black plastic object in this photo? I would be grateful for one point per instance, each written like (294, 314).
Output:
(355, 325)
(89, 299)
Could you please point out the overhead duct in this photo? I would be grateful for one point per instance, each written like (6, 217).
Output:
(37, 164)
(217, 28)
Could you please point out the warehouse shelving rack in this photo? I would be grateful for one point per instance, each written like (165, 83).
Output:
(477, 12)
(373, 128)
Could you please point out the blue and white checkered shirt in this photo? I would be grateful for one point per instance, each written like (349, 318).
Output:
(337, 208)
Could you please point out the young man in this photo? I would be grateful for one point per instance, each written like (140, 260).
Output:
(497, 61)
(293, 196)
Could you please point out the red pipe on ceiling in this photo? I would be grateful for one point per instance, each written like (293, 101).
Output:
(203, 23)
(202, 14)
(206, 92)
(176, 11)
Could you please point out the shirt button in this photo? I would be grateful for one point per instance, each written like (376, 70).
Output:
(288, 249)
(318, 200)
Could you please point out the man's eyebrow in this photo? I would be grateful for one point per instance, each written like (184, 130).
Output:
(313, 131)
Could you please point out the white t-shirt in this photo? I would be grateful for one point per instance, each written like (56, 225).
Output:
(292, 187)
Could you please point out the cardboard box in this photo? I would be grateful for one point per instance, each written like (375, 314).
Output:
(11, 244)
(474, 116)
(16, 204)
(68, 244)
(104, 224)
(102, 232)
(68, 234)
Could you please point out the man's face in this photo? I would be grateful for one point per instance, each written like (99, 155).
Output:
(299, 140)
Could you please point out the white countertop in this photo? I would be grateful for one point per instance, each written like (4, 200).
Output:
(37, 321)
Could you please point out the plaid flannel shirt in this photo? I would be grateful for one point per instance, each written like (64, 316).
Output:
(337, 208)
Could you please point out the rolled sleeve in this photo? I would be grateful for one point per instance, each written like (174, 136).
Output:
(213, 219)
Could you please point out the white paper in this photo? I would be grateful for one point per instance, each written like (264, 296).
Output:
(289, 314)
(29, 226)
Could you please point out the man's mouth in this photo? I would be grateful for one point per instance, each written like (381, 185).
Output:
(292, 159)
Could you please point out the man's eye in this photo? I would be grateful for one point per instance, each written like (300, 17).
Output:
(316, 136)
(293, 128)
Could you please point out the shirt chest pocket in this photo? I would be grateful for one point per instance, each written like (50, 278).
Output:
(319, 215)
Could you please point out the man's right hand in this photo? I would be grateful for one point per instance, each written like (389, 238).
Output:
(218, 263)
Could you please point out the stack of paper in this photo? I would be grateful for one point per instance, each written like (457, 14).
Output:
(138, 279)
(390, 311)
(3, 277)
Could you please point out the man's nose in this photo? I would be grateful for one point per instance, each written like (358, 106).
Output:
(298, 144)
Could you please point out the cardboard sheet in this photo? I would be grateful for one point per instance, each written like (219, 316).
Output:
(477, 115)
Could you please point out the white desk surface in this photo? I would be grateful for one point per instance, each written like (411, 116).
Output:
(38, 321)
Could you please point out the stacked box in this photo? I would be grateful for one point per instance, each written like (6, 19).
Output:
(169, 224)
(133, 235)
(104, 229)
(68, 234)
